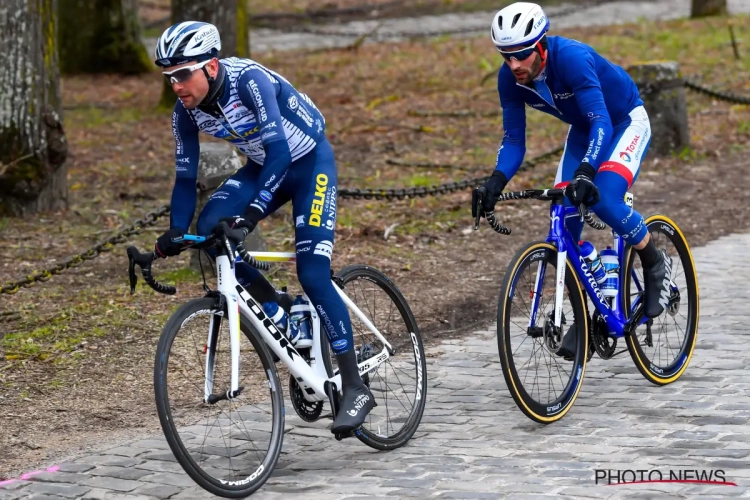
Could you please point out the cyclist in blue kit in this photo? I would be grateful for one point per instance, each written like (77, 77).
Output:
(282, 133)
(608, 137)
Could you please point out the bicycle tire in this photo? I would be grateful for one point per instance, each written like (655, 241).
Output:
(555, 410)
(663, 375)
(379, 442)
(203, 479)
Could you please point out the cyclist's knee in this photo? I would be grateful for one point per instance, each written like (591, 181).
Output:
(609, 206)
(206, 222)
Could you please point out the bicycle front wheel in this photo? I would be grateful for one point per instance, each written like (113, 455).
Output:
(399, 385)
(662, 348)
(229, 447)
(543, 364)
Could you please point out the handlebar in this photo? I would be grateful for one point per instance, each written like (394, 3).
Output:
(539, 194)
(222, 237)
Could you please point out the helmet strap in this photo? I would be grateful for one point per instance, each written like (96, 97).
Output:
(208, 77)
(215, 87)
(541, 48)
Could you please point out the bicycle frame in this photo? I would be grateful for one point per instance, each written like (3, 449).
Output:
(567, 248)
(311, 378)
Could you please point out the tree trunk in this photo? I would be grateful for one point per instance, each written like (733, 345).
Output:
(101, 36)
(229, 17)
(33, 149)
(701, 8)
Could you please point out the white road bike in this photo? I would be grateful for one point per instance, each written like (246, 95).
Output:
(240, 386)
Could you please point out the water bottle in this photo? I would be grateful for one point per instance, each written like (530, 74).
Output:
(611, 266)
(280, 319)
(594, 262)
(302, 319)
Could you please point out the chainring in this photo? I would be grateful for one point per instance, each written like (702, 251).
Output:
(604, 344)
(307, 411)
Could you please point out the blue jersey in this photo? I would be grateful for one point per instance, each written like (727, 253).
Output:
(579, 87)
(261, 114)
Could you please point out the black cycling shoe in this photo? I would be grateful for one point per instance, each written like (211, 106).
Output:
(354, 406)
(657, 281)
(568, 348)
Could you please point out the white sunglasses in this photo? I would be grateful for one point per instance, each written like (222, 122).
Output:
(183, 74)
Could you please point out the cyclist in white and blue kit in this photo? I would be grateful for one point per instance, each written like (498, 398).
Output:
(282, 133)
(608, 137)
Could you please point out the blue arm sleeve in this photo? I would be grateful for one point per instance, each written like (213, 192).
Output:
(513, 147)
(580, 75)
(257, 92)
(187, 153)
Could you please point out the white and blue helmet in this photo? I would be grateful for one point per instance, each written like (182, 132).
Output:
(521, 23)
(188, 41)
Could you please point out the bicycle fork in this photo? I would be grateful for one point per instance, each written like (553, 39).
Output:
(559, 288)
(223, 267)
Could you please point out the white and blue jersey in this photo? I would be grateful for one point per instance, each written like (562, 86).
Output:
(262, 115)
(282, 133)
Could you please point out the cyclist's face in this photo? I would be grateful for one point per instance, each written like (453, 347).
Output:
(193, 90)
(527, 69)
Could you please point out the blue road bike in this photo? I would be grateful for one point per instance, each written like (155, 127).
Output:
(542, 294)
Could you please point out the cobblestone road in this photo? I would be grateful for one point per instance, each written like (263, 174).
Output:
(474, 443)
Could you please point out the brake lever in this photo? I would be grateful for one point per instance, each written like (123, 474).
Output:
(479, 213)
(131, 271)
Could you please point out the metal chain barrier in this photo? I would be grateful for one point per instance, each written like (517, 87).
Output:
(421, 192)
(43, 275)
(150, 219)
(723, 96)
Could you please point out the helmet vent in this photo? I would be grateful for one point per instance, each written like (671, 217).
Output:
(528, 27)
(515, 20)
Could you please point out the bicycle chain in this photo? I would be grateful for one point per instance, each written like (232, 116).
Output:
(107, 245)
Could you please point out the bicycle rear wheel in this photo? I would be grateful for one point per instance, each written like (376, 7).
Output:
(399, 385)
(559, 380)
(662, 348)
(232, 462)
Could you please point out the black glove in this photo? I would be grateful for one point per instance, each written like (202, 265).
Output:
(582, 188)
(165, 247)
(248, 221)
(493, 188)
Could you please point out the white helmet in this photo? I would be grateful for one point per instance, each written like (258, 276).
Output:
(188, 41)
(521, 23)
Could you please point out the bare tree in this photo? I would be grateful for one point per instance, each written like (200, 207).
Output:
(33, 149)
(229, 16)
(701, 8)
(101, 36)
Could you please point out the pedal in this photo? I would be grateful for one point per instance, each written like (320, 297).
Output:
(343, 435)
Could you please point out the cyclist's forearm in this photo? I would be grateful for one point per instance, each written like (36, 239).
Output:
(510, 156)
(183, 203)
(600, 125)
